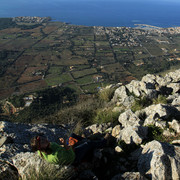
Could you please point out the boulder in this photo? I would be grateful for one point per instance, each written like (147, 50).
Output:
(175, 87)
(128, 118)
(120, 94)
(97, 128)
(149, 78)
(175, 125)
(173, 76)
(16, 136)
(160, 161)
(158, 112)
(116, 130)
(176, 103)
(31, 166)
(133, 135)
(134, 87)
(171, 98)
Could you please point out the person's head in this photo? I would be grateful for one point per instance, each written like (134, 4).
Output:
(39, 143)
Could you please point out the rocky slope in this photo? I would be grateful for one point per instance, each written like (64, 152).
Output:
(131, 154)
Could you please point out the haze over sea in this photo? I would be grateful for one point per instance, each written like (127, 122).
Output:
(162, 13)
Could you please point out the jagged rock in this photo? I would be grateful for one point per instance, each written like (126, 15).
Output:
(175, 87)
(129, 176)
(116, 130)
(98, 128)
(20, 134)
(7, 171)
(128, 118)
(134, 87)
(121, 95)
(131, 135)
(175, 125)
(30, 165)
(160, 161)
(173, 76)
(160, 81)
(176, 102)
(149, 78)
(170, 98)
(157, 112)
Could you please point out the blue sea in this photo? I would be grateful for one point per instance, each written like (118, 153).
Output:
(162, 13)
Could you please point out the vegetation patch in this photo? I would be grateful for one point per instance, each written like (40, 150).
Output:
(140, 103)
(106, 116)
(106, 94)
(160, 99)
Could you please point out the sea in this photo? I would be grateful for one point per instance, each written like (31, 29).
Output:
(108, 13)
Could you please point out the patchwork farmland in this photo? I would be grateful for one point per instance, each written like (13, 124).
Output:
(83, 58)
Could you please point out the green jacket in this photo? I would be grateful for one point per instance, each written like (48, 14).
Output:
(59, 155)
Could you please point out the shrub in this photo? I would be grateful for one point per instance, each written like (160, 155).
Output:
(105, 116)
(106, 94)
(49, 172)
(140, 104)
(155, 132)
(160, 99)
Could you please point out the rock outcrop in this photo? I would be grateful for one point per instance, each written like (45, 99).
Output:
(131, 150)
(160, 160)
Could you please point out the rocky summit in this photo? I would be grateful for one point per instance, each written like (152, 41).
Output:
(144, 142)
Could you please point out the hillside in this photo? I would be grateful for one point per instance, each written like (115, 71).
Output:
(144, 143)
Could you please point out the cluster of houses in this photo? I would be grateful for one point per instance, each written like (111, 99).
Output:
(126, 36)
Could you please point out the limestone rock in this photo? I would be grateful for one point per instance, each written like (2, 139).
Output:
(160, 161)
(176, 102)
(158, 112)
(134, 87)
(175, 125)
(116, 130)
(133, 135)
(30, 165)
(128, 118)
(174, 76)
(175, 87)
(120, 94)
(98, 128)
(20, 135)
